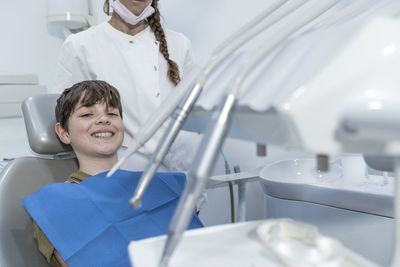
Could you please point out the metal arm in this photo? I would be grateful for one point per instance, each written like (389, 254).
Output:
(178, 118)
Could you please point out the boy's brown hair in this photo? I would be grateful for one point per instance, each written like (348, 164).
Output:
(86, 93)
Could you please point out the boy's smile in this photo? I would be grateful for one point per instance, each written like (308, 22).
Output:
(102, 134)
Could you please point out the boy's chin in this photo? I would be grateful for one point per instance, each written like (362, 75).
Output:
(107, 154)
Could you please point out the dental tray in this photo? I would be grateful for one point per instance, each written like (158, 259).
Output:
(255, 244)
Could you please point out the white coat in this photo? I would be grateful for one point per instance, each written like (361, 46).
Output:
(134, 65)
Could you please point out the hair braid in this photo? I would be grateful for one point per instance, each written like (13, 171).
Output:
(155, 25)
(106, 7)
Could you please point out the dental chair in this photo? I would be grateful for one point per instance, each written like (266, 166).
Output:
(24, 176)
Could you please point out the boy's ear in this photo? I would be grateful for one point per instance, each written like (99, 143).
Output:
(62, 134)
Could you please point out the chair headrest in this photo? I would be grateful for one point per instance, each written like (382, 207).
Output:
(39, 117)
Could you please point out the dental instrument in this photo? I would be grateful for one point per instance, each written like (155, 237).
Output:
(216, 132)
(178, 119)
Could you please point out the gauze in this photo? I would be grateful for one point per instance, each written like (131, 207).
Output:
(128, 16)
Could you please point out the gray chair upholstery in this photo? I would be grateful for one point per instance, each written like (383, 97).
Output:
(23, 176)
(39, 120)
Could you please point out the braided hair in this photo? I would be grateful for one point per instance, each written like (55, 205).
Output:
(155, 26)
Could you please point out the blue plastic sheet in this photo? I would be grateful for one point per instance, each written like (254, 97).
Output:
(92, 223)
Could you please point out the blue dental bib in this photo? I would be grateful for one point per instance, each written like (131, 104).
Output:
(92, 223)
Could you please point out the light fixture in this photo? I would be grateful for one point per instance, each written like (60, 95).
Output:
(71, 15)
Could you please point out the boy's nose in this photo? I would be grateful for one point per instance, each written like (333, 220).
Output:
(103, 119)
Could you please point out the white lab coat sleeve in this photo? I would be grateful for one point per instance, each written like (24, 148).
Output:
(71, 67)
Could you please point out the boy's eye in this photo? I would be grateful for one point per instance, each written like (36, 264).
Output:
(86, 115)
(113, 114)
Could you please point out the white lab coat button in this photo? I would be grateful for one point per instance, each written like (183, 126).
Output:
(158, 94)
(131, 42)
(155, 68)
(155, 42)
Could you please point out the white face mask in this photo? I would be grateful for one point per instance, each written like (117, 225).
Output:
(128, 16)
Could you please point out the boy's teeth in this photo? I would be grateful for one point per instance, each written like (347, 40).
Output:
(102, 134)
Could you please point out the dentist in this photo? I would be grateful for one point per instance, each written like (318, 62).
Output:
(134, 53)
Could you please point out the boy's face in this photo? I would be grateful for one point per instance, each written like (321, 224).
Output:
(93, 131)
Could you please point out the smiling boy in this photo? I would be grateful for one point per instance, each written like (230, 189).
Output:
(89, 118)
(83, 218)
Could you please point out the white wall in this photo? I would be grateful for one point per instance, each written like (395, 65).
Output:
(25, 47)
(28, 44)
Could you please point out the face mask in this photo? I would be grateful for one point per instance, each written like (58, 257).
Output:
(128, 16)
